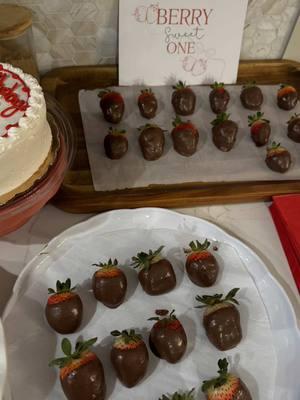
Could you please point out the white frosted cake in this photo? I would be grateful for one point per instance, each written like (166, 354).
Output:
(25, 135)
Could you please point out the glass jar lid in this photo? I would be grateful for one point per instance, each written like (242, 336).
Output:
(14, 20)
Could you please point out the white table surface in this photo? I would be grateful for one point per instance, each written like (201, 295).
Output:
(252, 223)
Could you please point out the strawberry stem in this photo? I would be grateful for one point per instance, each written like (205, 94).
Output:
(220, 118)
(197, 246)
(127, 335)
(208, 301)
(220, 380)
(62, 287)
(180, 396)
(180, 85)
(144, 260)
(66, 347)
(108, 264)
(217, 85)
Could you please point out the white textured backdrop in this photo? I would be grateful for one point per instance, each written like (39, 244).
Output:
(76, 32)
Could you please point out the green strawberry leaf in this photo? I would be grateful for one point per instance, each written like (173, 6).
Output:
(66, 347)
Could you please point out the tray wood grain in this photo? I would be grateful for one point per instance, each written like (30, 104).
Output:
(77, 194)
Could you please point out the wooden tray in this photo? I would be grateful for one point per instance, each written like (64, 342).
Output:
(77, 193)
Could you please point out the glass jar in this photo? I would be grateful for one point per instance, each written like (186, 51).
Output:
(16, 38)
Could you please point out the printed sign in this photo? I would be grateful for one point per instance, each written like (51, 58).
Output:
(196, 41)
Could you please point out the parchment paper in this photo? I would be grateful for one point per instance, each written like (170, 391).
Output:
(245, 162)
(32, 344)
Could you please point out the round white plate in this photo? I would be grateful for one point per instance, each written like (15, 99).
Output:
(267, 359)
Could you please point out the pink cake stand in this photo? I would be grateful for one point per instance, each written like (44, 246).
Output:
(19, 210)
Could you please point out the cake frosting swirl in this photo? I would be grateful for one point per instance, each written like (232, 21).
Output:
(25, 135)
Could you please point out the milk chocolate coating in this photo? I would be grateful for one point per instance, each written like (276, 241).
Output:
(279, 162)
(185, 142)
(130, 365)
(115, 146)
(224, 135)
(242, 392)
(110, 291)
(223, 327)
(294, 130)
(262, 138)
(204, 272)
(87, 382)
(252, 98)
(112, 111)
(148, 106)
(288, 101)
(219, 100)
(65, 317)
(152, 142)
(184, 101)
(159, 278)
(167, 343)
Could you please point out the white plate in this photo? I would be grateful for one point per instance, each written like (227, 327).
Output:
(3, 366)
(267, 359)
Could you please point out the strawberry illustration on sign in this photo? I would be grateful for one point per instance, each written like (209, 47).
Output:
(109, 284)
(81, 372)
(287, 97)
(129, 356)
(278, 158)
(221, 319)
(180, 396)
(226, 386)
(146, 14)
(167, 338)
(260, 128)
(201, 265)
(64, 308)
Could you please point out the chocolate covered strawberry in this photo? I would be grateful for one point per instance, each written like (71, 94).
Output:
(129, 356)
(156, 274)
(221, 319)
(224, 132)
(294, 128)
(278, 158)
(147, 103)
(81, 372)
(183, 99)
(115, 144)
(218, 98)
(251, 96)
(226, 386)
(287, 97)
(201, 265)
(179, 396)
(260, 128)
(64, 308)
(152, 142)
(185, 137)
(167, 338)
(112, 105)
(109, 284)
